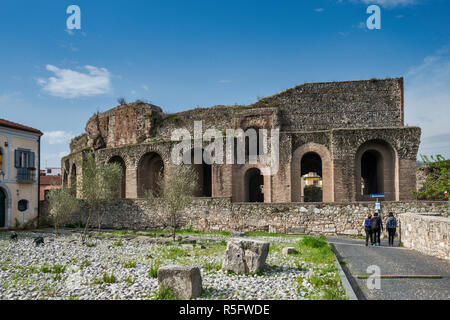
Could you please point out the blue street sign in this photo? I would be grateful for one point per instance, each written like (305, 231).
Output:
(377, 196)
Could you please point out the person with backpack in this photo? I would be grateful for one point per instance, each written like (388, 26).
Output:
(368, 230)
(377, 226)
(391, 226)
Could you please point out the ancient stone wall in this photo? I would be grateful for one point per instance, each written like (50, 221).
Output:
(349, 104)
(427, 234)
(307, 107)
(220, 214)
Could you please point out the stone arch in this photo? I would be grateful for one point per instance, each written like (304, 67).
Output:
(73, 180)
(254, 184)
(5, 206)
(326, 169)
(375, 170)
(65, 179)
(121, 190)
(203, 170)
(149, 169)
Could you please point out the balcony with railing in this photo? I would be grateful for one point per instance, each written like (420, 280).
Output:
(25, 175)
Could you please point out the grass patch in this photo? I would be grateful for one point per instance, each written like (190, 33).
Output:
(153, 271)
(129, 264)
(315, 250)
(118, 243)
(174, 253)
(333, 294)
(212, 266)
(56, 269)
(130, 280)
(164, 293)
(106, 278)
(84, 264)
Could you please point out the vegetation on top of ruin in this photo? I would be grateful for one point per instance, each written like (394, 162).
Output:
(437, 181)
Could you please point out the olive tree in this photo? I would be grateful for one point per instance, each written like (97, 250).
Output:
(62, 204)
(174, 194)
(98, 187)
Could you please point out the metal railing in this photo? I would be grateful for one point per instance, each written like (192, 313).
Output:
(25, 175)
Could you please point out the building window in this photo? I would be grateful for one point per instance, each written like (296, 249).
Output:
(24, 161)
(22, 205)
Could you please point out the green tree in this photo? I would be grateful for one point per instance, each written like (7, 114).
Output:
(313, 194)
(98, 187)
(437, 180)
(62, 204)
(175, 193)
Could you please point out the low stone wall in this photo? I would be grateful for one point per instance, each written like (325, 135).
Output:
(220, 214)
(426, 233)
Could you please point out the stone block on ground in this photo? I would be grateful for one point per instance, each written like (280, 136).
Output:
(245, 256)
(289, 250)
(184, 281)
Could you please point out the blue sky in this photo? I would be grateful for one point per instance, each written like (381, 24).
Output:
(184, 54)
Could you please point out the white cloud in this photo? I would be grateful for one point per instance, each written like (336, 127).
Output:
(391, 3)
(318, 10)
(72, 84)
(427, 98)
(57, 137)
(144, 87)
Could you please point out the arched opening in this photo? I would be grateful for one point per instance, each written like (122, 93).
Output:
(314, 161)
(375, 170)
(73, 180)
(121, 188)
(203, 170)
(371, 173)
(2, 208)
(311, 175)
(65, 179)
(254, 185)
(149, 171)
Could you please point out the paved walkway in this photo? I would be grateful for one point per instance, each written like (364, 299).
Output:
(393, 261)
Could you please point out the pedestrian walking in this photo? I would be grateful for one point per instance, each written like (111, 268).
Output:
(377, 227)
(391, 226)
(368, 229)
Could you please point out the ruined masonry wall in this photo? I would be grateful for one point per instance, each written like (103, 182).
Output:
(220, 214)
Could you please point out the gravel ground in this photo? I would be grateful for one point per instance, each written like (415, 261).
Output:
(119, 267)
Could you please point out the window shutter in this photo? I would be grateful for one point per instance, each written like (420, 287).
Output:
(17, 158)
(31, 160)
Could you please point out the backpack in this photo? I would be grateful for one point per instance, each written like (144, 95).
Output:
(367, 223)
(391, 223)
(374, 223)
